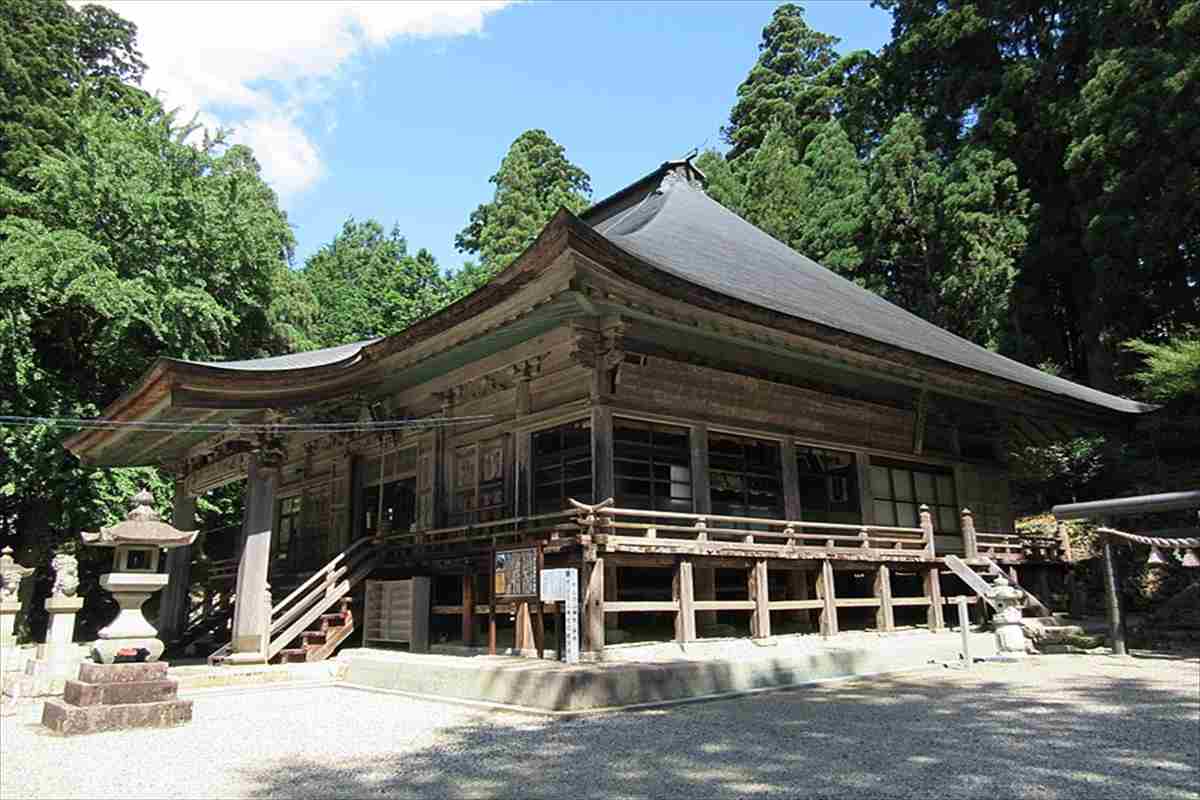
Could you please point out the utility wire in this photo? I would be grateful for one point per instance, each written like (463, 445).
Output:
(240, 427)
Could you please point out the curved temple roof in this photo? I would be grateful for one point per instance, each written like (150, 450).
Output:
(664, 222)
(681, 230)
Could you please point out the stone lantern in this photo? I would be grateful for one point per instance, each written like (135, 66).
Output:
(1010, 636)
(136, 542)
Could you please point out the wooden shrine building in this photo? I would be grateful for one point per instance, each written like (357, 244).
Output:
(782, 448)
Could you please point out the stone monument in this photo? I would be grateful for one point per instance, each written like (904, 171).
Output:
(114, 696)
(1010, 636)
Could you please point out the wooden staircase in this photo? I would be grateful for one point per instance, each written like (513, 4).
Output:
(321, 640)
(309, 604)
(982, 576)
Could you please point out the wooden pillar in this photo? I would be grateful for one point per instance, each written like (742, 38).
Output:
(593, 605)
(173, 610)
(935, 616)
(791, 481)
(705, 577)
(683, 593)
(523, 629)
(468, 615)
(251, 614)
(797, 580)
(970, 542)
(612, 591)
(827, 593)
(602, 453)
(1112, 598)
(760, 621)
(885, 619)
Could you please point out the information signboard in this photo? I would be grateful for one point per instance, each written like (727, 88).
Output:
(517, 573)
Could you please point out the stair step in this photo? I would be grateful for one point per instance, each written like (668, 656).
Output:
(313, 637)
(291, 655)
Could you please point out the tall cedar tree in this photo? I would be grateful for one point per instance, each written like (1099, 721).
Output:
(366, 284)
(789, 86)
(534, 181)
(1098, 106)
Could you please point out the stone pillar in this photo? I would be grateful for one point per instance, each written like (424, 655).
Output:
(250, 634)
(174, 605)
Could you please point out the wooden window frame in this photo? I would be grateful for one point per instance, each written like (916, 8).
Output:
(944, 510)
(536, 483)
(651, 463)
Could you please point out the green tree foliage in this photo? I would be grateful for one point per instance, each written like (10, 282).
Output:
(790, 86)
(366, 284)
(534, 181)
(1171, 370)
(125, 244)
(1096, 103)
(48, 49)
(943, 239)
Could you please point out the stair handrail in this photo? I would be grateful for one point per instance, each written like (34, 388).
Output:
(333, 562)
(279, 620)
(317, 608)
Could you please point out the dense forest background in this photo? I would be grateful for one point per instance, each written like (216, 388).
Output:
(1025, 174)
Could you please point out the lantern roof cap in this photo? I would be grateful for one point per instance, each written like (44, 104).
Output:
(142, 525)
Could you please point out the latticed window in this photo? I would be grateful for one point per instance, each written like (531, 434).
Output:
(652, 465)
(828, 485)
(288, 528)
(562, 466)
(900, 489)
(745, 476)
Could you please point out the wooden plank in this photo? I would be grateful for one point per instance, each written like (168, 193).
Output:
(933, 592)
(796, 605)
(612, 592)
(910, 601)
(827, 593)
(640, 605)
(857, 602)
(885, 619)
(725, 605)
(593, 605)
(791, 481)
(760, 622)
(683, 590)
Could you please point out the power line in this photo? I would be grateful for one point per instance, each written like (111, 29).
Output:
(374, 426)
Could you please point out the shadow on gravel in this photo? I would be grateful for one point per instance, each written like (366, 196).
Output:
(1115, 736)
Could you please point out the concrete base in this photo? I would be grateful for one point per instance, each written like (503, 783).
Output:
(655, 673)
(46, 677)
(14, 658)
(109, 697)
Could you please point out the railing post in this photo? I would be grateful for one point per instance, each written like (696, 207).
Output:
(760, 622)
(885, 619)
(927, 529)
(826, 593)
(684, 594)
(970, 542)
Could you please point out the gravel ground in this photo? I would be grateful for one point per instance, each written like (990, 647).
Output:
(1057, 727)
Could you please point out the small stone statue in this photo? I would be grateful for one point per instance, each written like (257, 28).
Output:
(11, 575)
(66, 575)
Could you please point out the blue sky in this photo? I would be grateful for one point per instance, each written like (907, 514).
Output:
(402, 111)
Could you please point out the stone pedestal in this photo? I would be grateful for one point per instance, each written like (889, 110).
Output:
(109, 697)
(60, 633)
(8, 622)
(129, 634)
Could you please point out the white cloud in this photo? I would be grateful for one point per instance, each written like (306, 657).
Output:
(258, 67)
